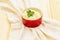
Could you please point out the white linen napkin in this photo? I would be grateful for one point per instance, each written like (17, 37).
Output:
(48, 30)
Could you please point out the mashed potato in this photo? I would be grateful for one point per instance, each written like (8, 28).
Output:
(35, 16)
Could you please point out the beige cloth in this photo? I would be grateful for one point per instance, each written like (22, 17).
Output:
(4, 27)
(48, 30)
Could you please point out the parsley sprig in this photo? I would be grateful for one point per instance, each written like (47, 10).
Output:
(30, 13)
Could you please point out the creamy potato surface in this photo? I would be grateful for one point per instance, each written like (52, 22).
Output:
(35, 16)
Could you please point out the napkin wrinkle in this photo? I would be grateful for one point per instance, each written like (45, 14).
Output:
(51, 33)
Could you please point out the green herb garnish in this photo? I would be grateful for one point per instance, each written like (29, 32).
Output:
(30, 13)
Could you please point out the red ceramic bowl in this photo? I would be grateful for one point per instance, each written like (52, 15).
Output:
(33, 23)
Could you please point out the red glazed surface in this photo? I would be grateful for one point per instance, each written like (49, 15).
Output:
(32, 23)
